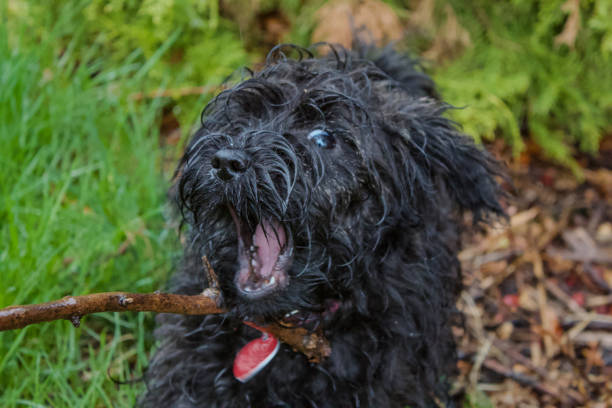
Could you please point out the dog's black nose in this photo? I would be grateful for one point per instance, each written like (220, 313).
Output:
(229, 163)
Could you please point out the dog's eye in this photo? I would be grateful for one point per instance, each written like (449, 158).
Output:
(322, 139)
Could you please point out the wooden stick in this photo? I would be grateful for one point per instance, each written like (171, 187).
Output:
(314, 345)
(73, 307)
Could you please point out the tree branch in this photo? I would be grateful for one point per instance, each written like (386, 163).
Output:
(313, 345)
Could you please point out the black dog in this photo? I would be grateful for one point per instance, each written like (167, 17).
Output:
(326, 192)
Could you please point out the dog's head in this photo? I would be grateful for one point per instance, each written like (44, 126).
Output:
(304, 176)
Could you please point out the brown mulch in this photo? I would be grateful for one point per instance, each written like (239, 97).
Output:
(538, 298)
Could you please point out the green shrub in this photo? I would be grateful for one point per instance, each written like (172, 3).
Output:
(516, 82)
(176, 44)
(204, 47)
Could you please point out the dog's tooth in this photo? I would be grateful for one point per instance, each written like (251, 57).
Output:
(272, 280)
(253, 262)
(293, 312)
(252, 248)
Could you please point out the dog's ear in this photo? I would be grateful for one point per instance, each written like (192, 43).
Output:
(437, 156)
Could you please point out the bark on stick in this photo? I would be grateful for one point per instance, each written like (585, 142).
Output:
(313, 345)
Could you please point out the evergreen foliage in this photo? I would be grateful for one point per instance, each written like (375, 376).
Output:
(515, 81)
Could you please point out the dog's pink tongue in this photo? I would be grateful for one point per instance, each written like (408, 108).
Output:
(269, 238)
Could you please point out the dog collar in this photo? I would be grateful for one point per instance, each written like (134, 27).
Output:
(255, 355)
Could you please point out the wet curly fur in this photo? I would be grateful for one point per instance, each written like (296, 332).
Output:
(372, 209)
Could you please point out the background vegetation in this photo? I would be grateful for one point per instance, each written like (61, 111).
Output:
(96, 101)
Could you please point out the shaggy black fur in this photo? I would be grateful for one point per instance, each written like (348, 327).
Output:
(348, 164)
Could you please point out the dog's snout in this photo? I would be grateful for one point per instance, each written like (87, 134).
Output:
(229, 163)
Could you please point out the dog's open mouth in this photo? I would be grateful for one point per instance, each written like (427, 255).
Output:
(264, 255)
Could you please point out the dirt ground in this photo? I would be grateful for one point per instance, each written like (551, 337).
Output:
(538, 298)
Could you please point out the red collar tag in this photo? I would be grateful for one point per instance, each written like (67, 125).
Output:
(255, 355)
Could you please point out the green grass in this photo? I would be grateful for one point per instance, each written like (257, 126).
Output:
(82, 209)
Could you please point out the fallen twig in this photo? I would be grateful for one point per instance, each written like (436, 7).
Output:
(517, 357)
(592, 321)
(528, 381)
(566, 299)
(598, 337)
